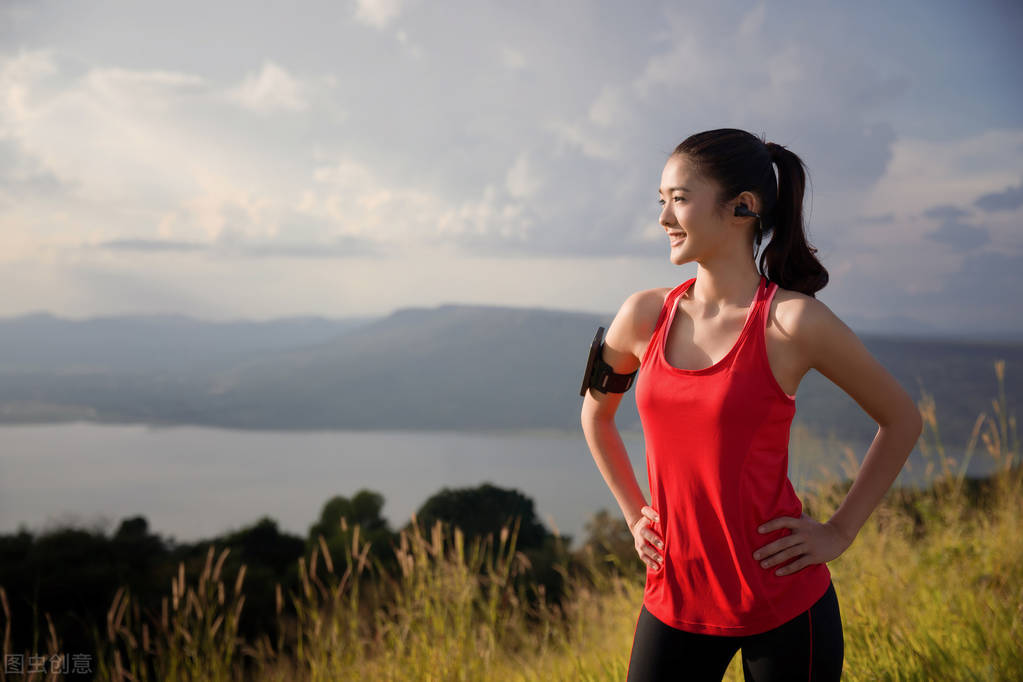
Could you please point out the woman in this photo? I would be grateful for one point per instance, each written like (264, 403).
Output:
(732, 562)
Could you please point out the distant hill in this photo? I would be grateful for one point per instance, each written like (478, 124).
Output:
(448, 367)
(41, 341)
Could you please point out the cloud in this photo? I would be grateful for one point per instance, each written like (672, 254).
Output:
(272, 89)
(979, 295)
(522, 180)
(610, 107)
(923, 170)
(946, 212)
(344, 246)
(476, 222)
(145, 160)
(511, 58)
(150, 245)
(129, 87)
(22, 178)
(753, 21)
(582, 137)
(233, 245)
(1008, 199)
(377, 13)
(356, 199)
(110, 135)
(20, 74)
(953, 231)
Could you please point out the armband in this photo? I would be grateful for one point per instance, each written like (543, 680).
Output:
(599, 374)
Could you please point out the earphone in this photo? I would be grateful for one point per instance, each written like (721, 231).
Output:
(741, 210)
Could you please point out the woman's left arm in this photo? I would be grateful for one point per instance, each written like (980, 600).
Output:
(835, 351)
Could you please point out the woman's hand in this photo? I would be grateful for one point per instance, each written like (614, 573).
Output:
(813, 542)
(647, 541)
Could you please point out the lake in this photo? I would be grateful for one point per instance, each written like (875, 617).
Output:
(194, 482)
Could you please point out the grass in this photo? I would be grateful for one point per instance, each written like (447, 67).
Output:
(932, 588)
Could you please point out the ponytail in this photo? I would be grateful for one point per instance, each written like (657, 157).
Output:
(788, 259)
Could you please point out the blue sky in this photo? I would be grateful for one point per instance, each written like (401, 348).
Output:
(225, 160)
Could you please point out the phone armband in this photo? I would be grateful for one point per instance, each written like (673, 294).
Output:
(601, 376)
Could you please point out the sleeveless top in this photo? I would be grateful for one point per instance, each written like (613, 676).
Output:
(717, 462)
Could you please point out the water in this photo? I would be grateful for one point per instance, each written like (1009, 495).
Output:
(195, 482)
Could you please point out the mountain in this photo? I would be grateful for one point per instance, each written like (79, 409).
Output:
(447, 367)
(40, 341)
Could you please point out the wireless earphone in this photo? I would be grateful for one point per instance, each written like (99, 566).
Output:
(741, 210)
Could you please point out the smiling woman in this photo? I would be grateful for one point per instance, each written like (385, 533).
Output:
(732, 561)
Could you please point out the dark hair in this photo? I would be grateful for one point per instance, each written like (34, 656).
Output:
(737, 162)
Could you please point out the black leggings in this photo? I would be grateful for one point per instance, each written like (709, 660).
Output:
(808, 647)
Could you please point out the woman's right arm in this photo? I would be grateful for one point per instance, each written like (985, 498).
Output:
(624, 344)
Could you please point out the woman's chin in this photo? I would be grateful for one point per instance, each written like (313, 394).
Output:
(678, 257)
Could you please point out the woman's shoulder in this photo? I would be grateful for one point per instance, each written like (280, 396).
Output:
(799, 314)
(645, 305)
(640, 312)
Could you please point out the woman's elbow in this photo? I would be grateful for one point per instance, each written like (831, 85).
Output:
(908, 421)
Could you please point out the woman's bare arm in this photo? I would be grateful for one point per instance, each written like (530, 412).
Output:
(622, 341)
(835, 351)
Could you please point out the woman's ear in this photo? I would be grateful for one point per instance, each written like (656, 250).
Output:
(751, 201)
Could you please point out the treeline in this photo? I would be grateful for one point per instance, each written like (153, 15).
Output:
(69, 576)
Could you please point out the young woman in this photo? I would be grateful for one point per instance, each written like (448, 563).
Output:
(732, 562)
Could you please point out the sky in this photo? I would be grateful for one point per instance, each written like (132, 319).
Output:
(255, 160)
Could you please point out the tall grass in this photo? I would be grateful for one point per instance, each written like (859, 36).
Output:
(932, 589)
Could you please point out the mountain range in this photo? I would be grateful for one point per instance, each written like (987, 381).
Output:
(461, 367)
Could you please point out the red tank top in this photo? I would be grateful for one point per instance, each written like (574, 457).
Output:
(717, 461)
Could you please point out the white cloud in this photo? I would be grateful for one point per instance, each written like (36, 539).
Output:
(111, 134)
(377, 13)
(353, 197)
(581, 136)
(488, 215)
(926, 173)
(511, 58)
(690, 62)
(127, 86)
(272, 89)
(132, 157)
(522, 180)
(753, 21)
(610, 107)
(18, 76)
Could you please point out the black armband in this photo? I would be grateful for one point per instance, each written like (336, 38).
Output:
(599, 374)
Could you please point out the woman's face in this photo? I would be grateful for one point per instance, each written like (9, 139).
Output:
(688, 207)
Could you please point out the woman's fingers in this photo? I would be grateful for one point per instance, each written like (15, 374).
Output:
(646, 539)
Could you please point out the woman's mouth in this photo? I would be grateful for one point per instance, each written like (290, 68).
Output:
(677, 239)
